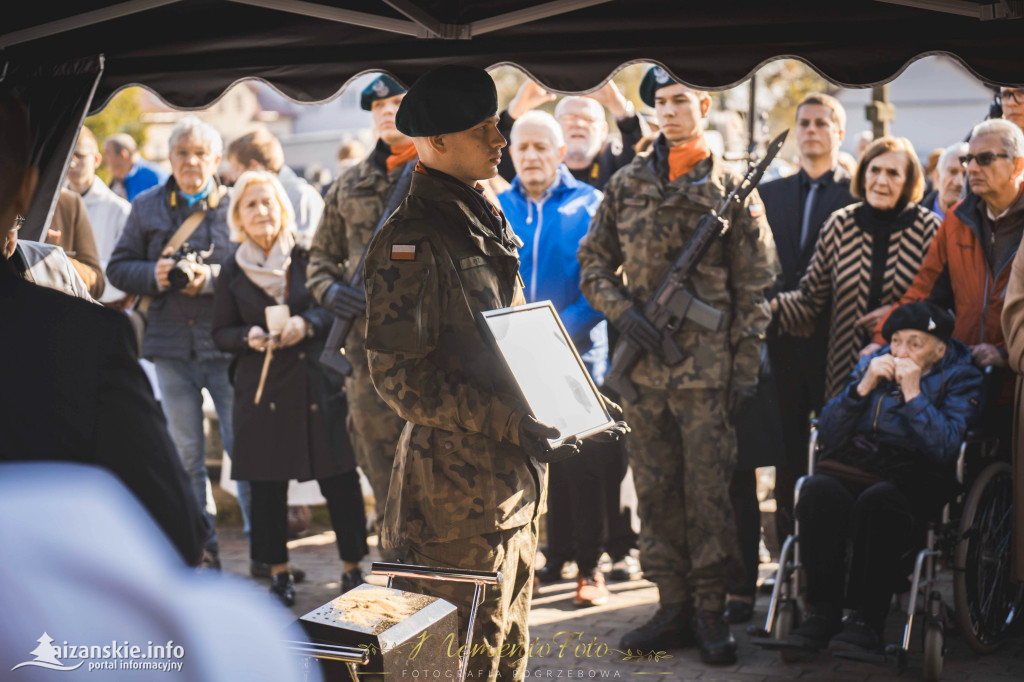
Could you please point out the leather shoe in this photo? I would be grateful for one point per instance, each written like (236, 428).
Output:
(717, 645)
(283, 586)
(668, 628)
(738, 611)
(352, 579)
(258, 569)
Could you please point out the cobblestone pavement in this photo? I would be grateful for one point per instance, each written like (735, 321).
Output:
(578, 643)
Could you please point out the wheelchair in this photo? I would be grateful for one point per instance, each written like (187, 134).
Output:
(971, 538)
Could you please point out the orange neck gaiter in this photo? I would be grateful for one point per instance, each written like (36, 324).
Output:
(685, 157)
(401, 154)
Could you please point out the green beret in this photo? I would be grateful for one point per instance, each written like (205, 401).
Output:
(382, 87)
(447, 99)
(655, 79)
(923, 316)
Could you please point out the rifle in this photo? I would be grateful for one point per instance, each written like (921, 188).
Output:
(673, 302)
(333, 355)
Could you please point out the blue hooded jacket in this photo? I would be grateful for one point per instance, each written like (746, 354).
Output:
(934, 423)
(551, 230)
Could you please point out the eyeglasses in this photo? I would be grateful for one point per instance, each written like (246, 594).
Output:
(576, 119)
(984, 159)
(1012, 95)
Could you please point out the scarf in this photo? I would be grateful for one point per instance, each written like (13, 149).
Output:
(685, 157)
(399, 155)
(268, 269)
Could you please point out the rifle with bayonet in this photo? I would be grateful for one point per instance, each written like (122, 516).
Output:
(333, 355)
(673, 302)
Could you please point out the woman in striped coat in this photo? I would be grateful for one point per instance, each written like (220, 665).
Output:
(866, 256)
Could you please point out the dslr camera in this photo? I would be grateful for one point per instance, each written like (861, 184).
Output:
(186, 262)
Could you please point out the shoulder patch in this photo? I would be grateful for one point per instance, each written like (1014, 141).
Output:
(403, 252)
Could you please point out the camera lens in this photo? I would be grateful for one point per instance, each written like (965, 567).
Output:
(180, 276)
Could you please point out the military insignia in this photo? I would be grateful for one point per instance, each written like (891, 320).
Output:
(931, 324)
(471, 262)
(380, 88)
(403, 252)
(660, 75)
(756, 210)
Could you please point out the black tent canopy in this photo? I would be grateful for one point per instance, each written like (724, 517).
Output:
(70, 58)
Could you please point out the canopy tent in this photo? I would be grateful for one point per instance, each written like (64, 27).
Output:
(70, 58)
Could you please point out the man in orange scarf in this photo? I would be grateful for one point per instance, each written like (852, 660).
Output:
(683, 448)
(355, 203)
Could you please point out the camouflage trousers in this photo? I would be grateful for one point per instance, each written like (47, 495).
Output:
(374, 429)
(502, 618)
(683, 452)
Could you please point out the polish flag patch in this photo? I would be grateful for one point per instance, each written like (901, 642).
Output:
(756, 210)
(403, 252)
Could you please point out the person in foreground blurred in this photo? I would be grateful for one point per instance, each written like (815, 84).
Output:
(289, 418)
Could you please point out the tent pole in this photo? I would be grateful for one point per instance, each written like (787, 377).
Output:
(342, 16)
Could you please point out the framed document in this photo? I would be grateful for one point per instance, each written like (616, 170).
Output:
(544, 362)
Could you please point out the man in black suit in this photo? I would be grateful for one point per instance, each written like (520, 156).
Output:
(797, 207)
(73, 388)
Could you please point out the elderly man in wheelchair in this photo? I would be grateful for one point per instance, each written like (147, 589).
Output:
(890, 441)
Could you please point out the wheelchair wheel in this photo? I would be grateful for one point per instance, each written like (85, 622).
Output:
(931, 662)
(785, 621)
(987, 602)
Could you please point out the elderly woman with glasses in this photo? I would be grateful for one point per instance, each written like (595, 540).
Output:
(866, 256)
(289, 416)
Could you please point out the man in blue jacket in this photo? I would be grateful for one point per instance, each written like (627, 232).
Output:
(178, 335)
(889, 446)
(550, 212)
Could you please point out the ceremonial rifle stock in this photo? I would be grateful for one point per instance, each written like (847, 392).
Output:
(673, 302)
(333, 355)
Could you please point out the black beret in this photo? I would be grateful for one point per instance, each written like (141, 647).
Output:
(923, 316)
(382, 87)
(446, 100)
(655, 79)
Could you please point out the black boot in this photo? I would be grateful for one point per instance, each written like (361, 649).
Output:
(284, 587)
(669, 628)
(717, 645)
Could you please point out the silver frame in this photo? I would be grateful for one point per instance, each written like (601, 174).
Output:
(488, 315)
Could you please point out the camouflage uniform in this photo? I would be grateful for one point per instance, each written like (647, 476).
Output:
(463, 494)
(683, 447)
(352, 211)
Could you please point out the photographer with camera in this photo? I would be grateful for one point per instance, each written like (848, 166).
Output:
(169, 254)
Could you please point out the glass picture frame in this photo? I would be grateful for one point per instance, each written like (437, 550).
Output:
(544, 362)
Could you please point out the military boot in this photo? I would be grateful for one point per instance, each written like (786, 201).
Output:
(717, 645)
(669, 628)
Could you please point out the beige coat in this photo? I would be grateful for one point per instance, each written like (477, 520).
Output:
(1013, 332)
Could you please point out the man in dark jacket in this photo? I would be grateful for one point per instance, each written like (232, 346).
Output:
(178, 335)
(797, 207)
(889, 446)
(75, 391)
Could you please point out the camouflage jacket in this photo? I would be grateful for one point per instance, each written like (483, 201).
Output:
(642, 225)
(458, 471)
(352, 210)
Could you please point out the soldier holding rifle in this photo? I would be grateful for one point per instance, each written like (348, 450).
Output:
(696, 361)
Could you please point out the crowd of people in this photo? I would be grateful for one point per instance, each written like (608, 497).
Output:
(871, 297)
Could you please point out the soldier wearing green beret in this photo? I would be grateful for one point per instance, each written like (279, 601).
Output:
(354, 205)
(466, 490)
(683, 447)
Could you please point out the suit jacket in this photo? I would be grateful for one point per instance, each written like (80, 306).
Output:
(785, 211)
(75, 392)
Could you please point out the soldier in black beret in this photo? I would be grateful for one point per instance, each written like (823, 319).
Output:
(655, 79)
(383, 87)
(468, 483)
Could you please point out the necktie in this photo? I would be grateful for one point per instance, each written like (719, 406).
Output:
(805, 228)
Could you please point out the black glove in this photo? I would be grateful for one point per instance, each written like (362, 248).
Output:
(533, 438)
(345, 301)
(616, 432)
(636, 329)
(739, 398)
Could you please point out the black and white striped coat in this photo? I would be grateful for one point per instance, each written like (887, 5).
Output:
(839, 279)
